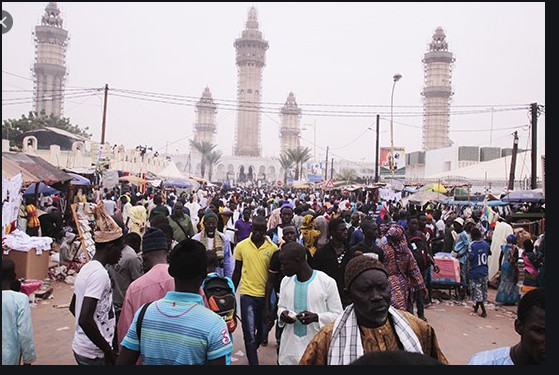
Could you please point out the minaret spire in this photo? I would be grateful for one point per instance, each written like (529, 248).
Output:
(251, 59)
(49, 69)
(437, 92)
(252, 21)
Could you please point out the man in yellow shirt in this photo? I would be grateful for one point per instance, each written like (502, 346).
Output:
(252, 261)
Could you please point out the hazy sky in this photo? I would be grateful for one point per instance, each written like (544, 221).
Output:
(337, 58)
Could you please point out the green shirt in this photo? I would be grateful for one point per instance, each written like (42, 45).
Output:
(184, 222)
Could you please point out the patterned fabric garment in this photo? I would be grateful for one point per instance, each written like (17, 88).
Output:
(403, 273)
(347, 330)
(383, 338)
(309, 233)
(508, 293)
(478, 289)
(32, 216)
(217, 245)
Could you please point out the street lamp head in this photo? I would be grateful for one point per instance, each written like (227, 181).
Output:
(397, 77)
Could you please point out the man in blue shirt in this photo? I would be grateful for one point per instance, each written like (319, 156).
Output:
(460, 250)
(530, 325)
(178, 329)
(18, 344)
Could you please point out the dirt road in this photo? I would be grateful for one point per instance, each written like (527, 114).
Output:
(459, 332)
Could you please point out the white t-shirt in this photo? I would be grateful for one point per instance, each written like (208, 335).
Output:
(229, 230)
(440, 225)
(93, 281)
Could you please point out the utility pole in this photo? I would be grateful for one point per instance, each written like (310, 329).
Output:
(377, 149)
(513, 161)
(104, 114)
(534, 107)
(326, 166)
(332, 169)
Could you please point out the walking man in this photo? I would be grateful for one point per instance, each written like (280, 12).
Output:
(18, 344)
(308, 300)
(92, 301)
(178, 329)
(370, 323)
(252, 261)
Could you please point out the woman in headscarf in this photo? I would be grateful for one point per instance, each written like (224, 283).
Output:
(403, 273)
(508, 293)
(137, 218)
(309, 233)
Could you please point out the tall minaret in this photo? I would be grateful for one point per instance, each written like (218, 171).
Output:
(205, 127)
(436, 94)
(251, 58)
(49, 70)
(290, 124)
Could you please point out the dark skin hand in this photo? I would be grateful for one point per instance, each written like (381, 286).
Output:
(237, 273)
(305, 317)
(435, 265)
(284, 316)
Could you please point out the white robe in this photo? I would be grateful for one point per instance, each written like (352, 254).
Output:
(322, 298)
(499, 238)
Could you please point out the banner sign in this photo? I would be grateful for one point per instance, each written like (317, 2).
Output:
(386, 164)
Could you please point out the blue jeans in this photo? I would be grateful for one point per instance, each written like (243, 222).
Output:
(252, 322)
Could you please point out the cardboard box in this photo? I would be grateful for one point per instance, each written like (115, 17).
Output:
(29, 264)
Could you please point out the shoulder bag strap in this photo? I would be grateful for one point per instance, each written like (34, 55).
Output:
(180, 226)
(140, 319)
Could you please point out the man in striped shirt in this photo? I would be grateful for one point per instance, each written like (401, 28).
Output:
(177, 329)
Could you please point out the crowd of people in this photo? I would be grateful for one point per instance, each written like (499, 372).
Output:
(339, 276)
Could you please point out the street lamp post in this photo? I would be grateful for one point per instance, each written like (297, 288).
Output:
(392, 164)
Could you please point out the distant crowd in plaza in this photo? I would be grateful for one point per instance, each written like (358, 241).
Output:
(343, 278)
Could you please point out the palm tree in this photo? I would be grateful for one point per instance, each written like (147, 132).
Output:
(204, 148)
(300, 156)
(285, 163)
(212, 158)
(346, 175)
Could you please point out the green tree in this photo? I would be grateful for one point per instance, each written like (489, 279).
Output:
(286, 163)
(13, 129)
(347, 175)
(204, 148)
(300, 156)
(212, 159)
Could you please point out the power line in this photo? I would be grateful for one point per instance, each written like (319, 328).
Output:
(32, 79)
(59, 94)
(32, 100)
(235, 102)
(174, 99)
(274, 107)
